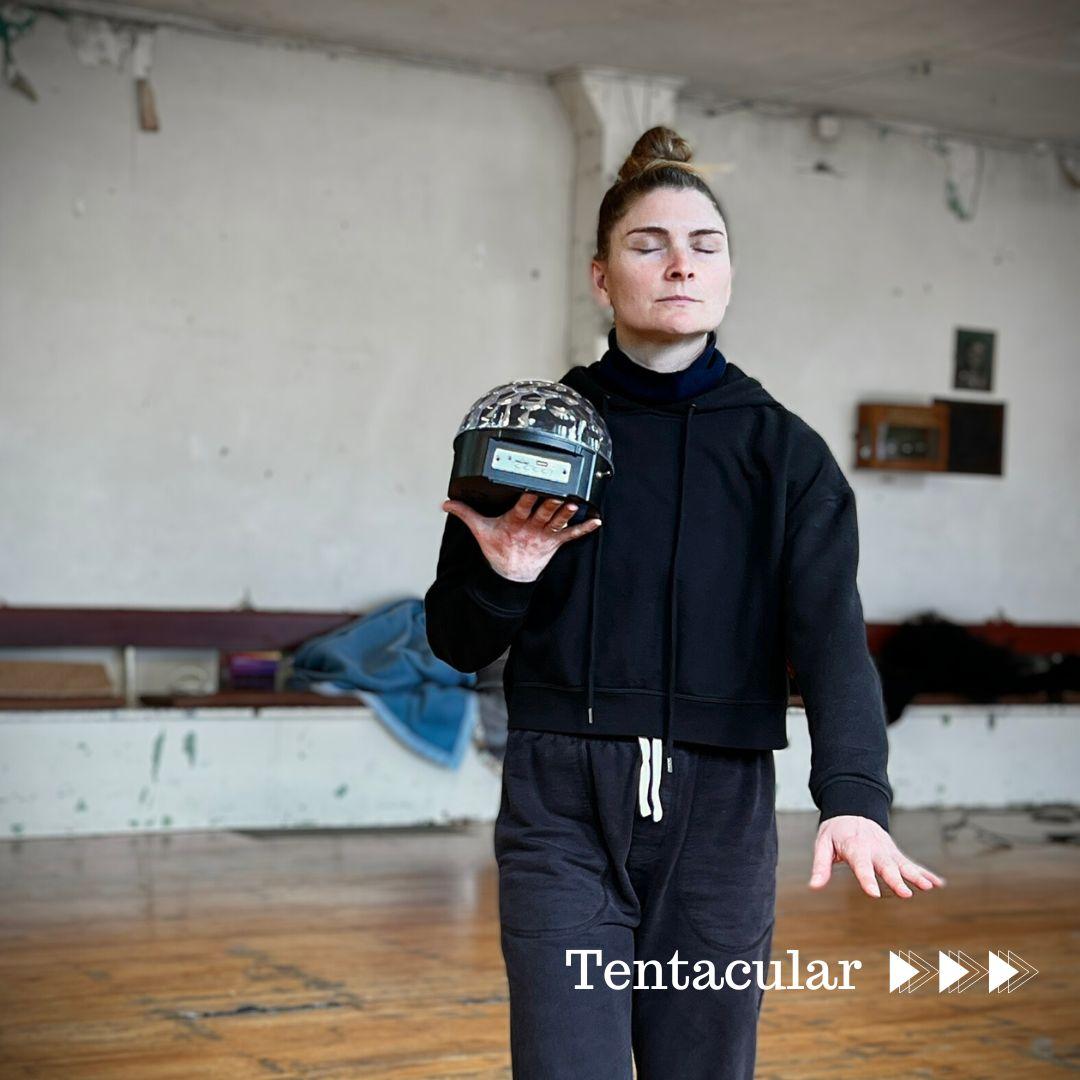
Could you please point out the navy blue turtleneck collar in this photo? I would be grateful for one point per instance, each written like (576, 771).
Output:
(616, 371)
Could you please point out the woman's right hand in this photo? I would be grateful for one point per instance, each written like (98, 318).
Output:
(521, 542)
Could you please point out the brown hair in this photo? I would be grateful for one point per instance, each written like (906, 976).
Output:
(659, 159)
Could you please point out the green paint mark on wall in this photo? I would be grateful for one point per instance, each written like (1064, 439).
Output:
(144, 794)
(133, 823)
(166, 819)
(189, 747)
(17, 827)
(80, 806)
(159, 745)
(83, 747)
(340, 791)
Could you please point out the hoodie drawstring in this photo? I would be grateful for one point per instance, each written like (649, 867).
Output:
(673, 655)
(653, 751)
(595, 593)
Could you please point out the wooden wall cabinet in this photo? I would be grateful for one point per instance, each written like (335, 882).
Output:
(955, 436)
(904, 437)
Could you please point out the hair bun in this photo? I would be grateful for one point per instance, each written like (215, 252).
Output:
(659, 145)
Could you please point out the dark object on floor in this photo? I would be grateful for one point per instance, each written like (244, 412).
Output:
(928, 653)
(1051, 813)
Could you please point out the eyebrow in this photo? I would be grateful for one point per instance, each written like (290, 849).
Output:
(660, 231)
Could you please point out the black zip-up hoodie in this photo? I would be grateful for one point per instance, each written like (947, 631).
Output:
(729, 548)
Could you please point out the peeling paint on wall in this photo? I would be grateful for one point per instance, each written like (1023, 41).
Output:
(159, 745)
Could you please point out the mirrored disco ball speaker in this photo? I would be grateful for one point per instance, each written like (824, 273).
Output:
(531, 435)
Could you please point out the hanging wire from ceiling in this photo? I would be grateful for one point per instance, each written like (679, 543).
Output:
(15, 22)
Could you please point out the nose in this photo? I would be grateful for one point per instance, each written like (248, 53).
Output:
(680, 267)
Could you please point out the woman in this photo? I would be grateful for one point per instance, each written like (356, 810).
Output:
(647, 681)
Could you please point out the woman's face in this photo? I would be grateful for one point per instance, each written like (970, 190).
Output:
(668, 273)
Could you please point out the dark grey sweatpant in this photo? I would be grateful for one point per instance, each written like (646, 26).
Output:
(580, 868)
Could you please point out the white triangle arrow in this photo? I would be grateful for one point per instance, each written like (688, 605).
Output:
(925, 970)
(949, 971)
(973, 966)
(1000, 971)
(900, 971)
(1026, 970)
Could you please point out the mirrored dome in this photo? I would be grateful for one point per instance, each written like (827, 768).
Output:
(551, 407)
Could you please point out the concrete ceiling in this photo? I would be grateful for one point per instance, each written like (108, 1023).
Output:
(999, 68)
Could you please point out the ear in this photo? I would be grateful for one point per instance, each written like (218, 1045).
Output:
(599, 283)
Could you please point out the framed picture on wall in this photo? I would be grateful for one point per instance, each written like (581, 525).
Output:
(974, 360)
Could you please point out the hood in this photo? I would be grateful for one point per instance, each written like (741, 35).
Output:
(734, 391)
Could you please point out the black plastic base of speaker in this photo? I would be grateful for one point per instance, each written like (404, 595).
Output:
(492, 467)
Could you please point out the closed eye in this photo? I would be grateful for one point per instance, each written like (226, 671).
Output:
(703, 251)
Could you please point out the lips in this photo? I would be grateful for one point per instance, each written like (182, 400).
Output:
(688, 299)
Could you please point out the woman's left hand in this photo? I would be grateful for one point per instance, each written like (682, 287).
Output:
(867, 848)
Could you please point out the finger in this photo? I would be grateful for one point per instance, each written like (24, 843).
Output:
(465, 512)
(889, 872)
(915, 874)
(546, 511)
(572, 532)
(919, 875)
(521, 510)
(566, 512)
(821, 870)
(864, 872)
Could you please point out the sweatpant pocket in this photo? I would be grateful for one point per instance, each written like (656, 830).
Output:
(726, 874)
(552, 862)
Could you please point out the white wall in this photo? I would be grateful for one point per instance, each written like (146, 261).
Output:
(849, 288)
(233, 354)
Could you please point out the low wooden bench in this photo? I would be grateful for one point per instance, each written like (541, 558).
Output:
(150, 628)
(242, 630)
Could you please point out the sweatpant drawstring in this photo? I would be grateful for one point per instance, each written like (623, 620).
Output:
(652, 751)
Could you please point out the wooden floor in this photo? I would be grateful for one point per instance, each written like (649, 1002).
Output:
(376, 954)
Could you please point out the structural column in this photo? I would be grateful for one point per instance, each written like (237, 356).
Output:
(608, 111)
